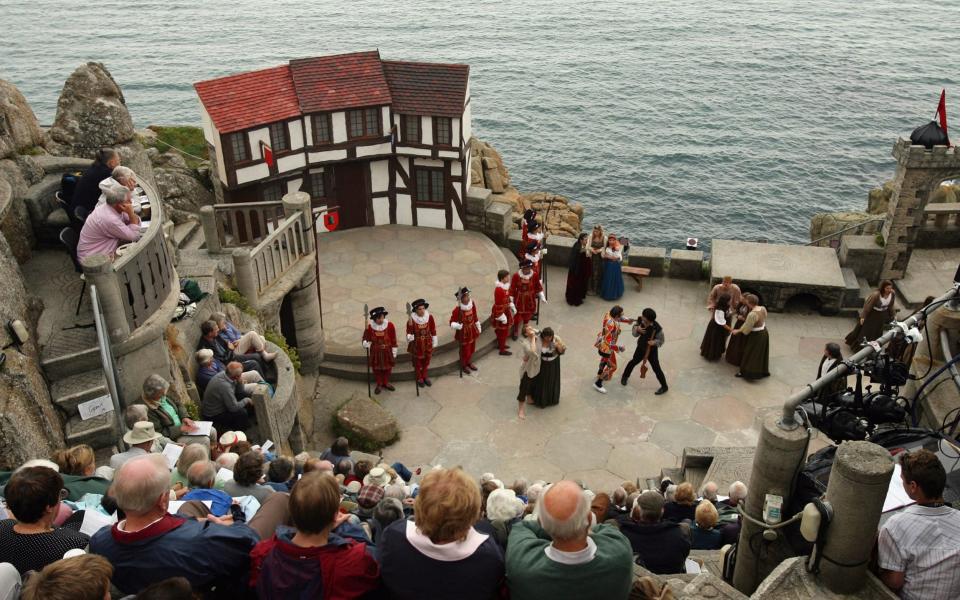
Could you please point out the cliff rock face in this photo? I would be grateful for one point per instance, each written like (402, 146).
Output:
(183, 193)
(822, 224)
(561, 215)
(879, 198)
(92, 114)
(18, 125)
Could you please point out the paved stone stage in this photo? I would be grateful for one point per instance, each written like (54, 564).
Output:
(390, 266)
(930, 273)
(779, 272)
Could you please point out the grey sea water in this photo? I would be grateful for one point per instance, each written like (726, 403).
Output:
(666, 118)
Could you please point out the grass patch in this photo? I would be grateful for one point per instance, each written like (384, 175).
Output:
(879, 239)
(275, 337)
(237, 299)
(188, 139)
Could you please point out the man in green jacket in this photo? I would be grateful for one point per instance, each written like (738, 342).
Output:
(563, 554)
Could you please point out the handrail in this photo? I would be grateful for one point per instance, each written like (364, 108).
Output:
(106, 362)
(234, 225)
(848, 228)
(788, 419)
(258, 268)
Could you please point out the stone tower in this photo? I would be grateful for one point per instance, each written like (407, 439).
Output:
(919, 172)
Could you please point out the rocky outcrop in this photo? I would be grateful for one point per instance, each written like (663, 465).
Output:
(822, 224)
(561, 215)
(366, 423)
(181, 187)
(19, 129)
(879, 198)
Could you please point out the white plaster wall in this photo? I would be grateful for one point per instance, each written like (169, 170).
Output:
(427, 162)
(373, 150)
(212, 136)
(426, 130)
(327, 155)
(379, 176)
(448, 154)
(404, 209)
(396, 121)
(455, 132)
(288, 163)
(308, 130)
(296, 134)
(339, 120)
(381, 211)
(385, 119)
(432, 217)
(455, 222)
(256, 136)
(455, 168)
(294, 185)
(252, 173)
(467, 116)
(413, 151)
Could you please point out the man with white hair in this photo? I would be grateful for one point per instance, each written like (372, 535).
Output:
(564, 554)
(730, 533)
(208, 367)
(120, 177)
(109, 225)
(709, 492)
(736, 494)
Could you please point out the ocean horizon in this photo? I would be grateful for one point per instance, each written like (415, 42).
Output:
(666, 120)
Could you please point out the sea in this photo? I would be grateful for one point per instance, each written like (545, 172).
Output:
(733, 119)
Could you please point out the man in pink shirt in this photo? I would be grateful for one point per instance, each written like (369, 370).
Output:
(109, 225)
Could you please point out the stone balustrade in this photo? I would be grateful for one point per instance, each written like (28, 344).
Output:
(940, 226)
(228, 226)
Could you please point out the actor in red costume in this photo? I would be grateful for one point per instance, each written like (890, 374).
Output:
(534, 254)
(503, 310)
(466, 323)
(525, 288)
(422, 339)
(527, 224)
(380, 338)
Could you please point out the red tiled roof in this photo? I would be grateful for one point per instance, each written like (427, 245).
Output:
(341, 81)
(427, 88)
(249, 99)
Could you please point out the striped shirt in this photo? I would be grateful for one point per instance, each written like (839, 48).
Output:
(923, 543)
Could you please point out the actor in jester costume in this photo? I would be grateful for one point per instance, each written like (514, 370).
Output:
(466, 322)
(422, 339)
(380, 338)
(525, 288)
(503, 311)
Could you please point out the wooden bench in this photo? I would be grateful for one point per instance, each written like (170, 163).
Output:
(638, 273)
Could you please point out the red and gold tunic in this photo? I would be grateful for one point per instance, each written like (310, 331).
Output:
(471, 323)
(502, 302)
(423, 335)
(382, 343)
(524, 291)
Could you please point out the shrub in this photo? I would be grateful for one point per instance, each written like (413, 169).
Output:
(232, 296)
(275, 337)
(188, 139)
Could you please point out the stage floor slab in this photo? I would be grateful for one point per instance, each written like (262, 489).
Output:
(391, 265)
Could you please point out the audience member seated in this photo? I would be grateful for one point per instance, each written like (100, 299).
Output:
(709, 492)
(192, 454)
(246, 478)
(706, 535)
(729, 516)
(140, 439)
(173, 588)
(227, 460)
(661, 546)
(682, 507)
(503, 511)
(367, 499)
(315, 464)
(87, 191)
(150, 545)
(280, 474)
(919, 547)
(439, 554)
(339, 450)
(84, 577)
(78, 469)
(385, 512)
(29, 540)
(242, 343)
(600, 507)
(562, 553)
(202, 480)
(322, 556)
(225, 401)
(210, 340)
(109, 225)
(122, 177)
(167, 413)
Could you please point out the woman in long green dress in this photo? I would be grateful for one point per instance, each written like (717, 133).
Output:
(547, 385)
(755, 363)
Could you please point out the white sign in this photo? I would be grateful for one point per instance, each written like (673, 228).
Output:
(203, 428)
(94, 521)
(896, 496)
(225, 474)
(172, 452)
(266, 446)
(174, 506)
(95, 408)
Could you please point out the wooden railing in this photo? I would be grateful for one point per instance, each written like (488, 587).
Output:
(227, 226)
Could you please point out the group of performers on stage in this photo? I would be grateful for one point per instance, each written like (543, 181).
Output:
(749, 343)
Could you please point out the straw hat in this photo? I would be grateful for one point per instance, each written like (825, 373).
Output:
(377, 476)
(142, 432)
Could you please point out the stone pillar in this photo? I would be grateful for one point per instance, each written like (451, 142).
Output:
(919, 171)
(98, 270)
(299, 202)
(208, 220)
(305, 306)
(774, 466)
(858, 485)
(245, 276)
(938, 400)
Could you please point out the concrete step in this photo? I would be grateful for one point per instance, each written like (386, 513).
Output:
(445, 361)
(674, 474)
(694, 476)
(865, 288)
(70, 352)
(67, 393)
(98, 432)
(184, 232)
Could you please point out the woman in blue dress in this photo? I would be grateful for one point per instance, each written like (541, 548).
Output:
(611, 286)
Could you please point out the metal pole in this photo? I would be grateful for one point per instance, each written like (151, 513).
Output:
(106, 360)
(788, 419)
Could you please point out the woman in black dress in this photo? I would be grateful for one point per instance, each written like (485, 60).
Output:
(547, 385)
(735, 347)
(579, 271)
(715, 338)
(832, 358)
(877, 311)
(755, 363)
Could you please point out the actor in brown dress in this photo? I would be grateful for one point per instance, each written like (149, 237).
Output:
(755, 363)
(877, 311)
(735, 346)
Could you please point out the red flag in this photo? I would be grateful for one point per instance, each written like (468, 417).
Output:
(942, 113)
(267, 154)
(331, 219)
